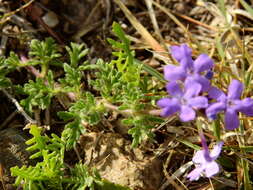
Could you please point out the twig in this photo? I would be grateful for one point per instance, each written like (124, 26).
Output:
(77, 153)
(19, 108)
(108, 10)
(23, 23)
(33, 12)
(8, 119)
(194, 21)
(4, 39)
(170, 180)
(140, 28)
(153, 18)
(7, 16)
(127, 112)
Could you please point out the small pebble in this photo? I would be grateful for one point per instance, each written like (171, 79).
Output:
(51, 19)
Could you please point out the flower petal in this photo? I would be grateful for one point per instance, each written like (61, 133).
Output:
(215, 108)
(246, 106)
(187, 63)
(203, 63)
(172, 73)
(198, 157)
(198, 102)
(164, 102)
(203, 81)
(211, 169)
(187, 113)
(180, 52)
(216, 94)
(231, 119)
(216, 150)
(235, 89)
(174, 89)
(170, 106)
(195, 174)
(192, 89)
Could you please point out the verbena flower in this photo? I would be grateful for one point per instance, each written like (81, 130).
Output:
(205, 161)
(230, 104)
(188, 70)
(183, 101)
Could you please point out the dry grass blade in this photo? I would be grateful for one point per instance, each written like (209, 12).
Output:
(153, 18)
(1, 176)
(140, 28)
(170, 179)
(167, 12)
(7, 16)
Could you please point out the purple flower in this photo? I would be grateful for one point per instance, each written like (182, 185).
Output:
(183, 102)
(230, 104)
(188, 70)
(205, 161)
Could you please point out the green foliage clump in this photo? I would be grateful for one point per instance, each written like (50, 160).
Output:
(123, 84)
(52, 173)
(82, 112)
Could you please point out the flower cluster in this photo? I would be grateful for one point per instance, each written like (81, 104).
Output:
(187, 83)
(205, 161)
(189, 88)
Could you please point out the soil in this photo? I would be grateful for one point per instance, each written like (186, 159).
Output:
(116, 161)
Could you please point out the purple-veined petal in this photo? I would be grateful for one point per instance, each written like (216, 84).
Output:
(203, 81)
(214, 109)
(172, 73)
(176, 52)
(195, 174)
(192, 89)
(203, 63)
(216, 94)
(211, 168)
(164, 102)
(187, 113)
(180, 52)
(187, 63)
(198, 157)
(173, 88)
(216, 150)
(170, 106)
(206, 152)
(167, 112)
(231, 119)
(246, 106)
(198, 102)
(235, 89)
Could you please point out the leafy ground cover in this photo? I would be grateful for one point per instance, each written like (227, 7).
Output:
(126, 94)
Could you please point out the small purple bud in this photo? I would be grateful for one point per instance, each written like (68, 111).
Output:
(209, 75)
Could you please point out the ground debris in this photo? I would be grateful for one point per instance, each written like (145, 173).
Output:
(116, 161)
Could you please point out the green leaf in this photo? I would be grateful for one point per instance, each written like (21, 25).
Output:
(217, 129)
(247, 7)
(222, 7)
(151, 71)
(40, 93)
(44, 51)
(76, 53)
(189, 144)
(66, 116)
(140, 131)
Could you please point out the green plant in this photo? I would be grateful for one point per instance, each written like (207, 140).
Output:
(51, 172)
(119, 86)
